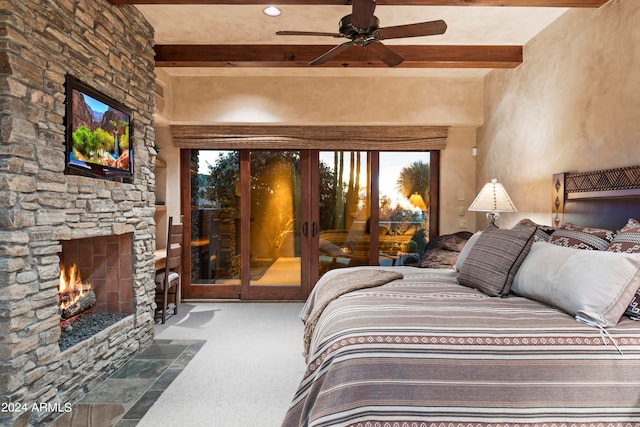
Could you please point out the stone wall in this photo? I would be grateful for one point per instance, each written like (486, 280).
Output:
(109, 48)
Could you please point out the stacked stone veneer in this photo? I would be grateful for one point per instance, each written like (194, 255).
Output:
(110, 48)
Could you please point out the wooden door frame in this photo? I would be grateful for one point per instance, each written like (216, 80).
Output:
(200, 292)
(280, 292)
(265, 292)
(434, 198)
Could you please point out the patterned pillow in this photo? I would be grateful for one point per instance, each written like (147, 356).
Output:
(627, 240)
(574, 236)
(543, 232)
(494, 259)
(633, 311)
(466, 249)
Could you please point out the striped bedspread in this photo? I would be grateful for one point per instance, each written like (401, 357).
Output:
(424, 351)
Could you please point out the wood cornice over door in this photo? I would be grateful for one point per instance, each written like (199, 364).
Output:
(389, 138)
(287, 55)
(533, 3)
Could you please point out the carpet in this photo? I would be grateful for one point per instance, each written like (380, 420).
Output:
(244, 375)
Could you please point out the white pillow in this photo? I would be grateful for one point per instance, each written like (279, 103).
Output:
(466, 249)
(593, 285)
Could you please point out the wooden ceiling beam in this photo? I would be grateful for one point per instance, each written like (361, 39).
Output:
(530, 3)
(432, 56)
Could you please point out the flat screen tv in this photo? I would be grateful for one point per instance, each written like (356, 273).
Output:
(98, 133)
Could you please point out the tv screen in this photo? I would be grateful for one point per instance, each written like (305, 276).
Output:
(98, 133)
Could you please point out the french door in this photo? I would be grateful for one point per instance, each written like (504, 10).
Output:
(265, 224)
(249, 214)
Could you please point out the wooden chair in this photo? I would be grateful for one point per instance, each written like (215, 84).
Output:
(168, 279)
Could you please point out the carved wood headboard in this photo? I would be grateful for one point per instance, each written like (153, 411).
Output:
(605, 198)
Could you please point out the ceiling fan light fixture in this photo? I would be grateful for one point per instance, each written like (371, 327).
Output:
(362, 28)
(272, 11)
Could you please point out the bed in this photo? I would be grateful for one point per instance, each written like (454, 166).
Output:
(417, 348)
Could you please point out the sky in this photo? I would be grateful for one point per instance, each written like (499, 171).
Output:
(95, 105)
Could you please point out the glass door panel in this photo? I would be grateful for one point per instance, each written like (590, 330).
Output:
(215, 220)
(265, 224)
(403, 181)
(344, 209)
(246, 211)
(275, 218)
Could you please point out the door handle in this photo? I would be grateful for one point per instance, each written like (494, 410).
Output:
(305, 229)
(314, 229)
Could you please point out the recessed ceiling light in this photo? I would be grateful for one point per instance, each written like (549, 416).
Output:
(272, 11)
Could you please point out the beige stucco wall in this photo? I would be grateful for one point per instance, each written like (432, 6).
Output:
(456, 102)
(457, 186)
(328, 100)
(574, 105)
(167, 179)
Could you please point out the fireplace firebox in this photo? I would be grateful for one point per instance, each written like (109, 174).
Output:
(96, 286)
(105, 266)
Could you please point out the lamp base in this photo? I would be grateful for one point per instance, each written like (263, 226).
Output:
(493, 218)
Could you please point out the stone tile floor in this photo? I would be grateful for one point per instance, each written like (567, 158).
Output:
(124, 397)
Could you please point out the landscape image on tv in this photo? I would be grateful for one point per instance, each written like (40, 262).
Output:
(100, 133)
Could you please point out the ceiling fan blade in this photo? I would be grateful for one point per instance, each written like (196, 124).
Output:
(412, 30)
(384, 53)
(362, 13)
(307, 33)
(330, 54)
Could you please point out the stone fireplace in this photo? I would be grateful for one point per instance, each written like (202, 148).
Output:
(47, 216)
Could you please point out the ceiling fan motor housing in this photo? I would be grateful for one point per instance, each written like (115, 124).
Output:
(348, 30)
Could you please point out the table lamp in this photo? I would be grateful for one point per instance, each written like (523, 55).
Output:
(493, 199)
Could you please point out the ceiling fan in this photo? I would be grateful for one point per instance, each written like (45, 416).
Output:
(362, 28)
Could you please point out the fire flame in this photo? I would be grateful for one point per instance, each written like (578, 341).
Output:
(70, 288)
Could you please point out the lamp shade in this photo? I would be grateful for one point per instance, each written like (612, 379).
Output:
(493, 198)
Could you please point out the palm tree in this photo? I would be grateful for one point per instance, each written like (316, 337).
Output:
(414, 179)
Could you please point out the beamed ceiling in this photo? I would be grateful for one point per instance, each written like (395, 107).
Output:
(537, 3)
(215, 37)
